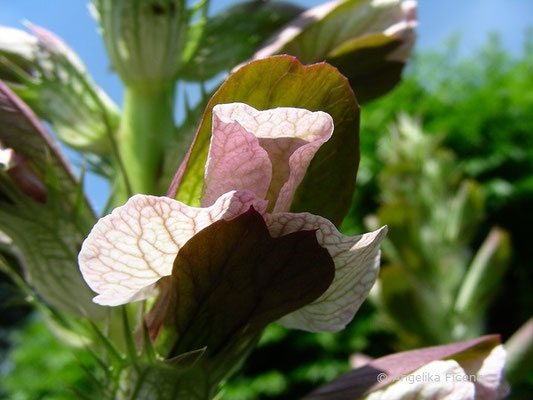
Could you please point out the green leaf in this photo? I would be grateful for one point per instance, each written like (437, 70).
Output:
(160, 381)
(233, 35)
(399, 300)
(186, 360)
(484, 275)
(283, 81)
(520, 353)
(245, 280)
(40, 210)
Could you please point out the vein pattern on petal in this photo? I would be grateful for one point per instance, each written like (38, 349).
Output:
(128, 251)
(356, 269)
(236, 161)
(286, 138)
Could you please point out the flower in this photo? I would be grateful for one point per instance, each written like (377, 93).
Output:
(266, 152)
(256, 159)
(469, 370)
(476, 378)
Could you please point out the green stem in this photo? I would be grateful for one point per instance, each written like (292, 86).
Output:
(146, 128)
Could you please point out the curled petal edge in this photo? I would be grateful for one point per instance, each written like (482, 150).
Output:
(129, 250)
(356, 270)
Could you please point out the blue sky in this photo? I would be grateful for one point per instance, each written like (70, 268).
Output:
(439, 20)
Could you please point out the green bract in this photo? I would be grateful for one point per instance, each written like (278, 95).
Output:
(369, 41)
(234, 35)
(282, 81)
(42, 210)
(145, 39)
(50, 77)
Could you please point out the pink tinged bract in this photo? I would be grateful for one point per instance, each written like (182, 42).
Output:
(266, 152)
(128, 251)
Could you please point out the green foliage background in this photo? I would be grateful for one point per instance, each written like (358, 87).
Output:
(482, 105)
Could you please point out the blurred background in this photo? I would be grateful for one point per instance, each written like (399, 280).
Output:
(446, 162)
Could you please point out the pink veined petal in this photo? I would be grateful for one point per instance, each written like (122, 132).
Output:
(128, 251)
(356, 269)
(236, 161)
(298, 163)
(290, 137)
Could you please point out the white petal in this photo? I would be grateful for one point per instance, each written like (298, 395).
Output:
(438, 380)
(488, 371)
(17, 42)
(133, 247)
(7, 159)
(356, 269)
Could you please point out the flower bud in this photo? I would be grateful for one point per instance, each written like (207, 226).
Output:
(144, 38)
